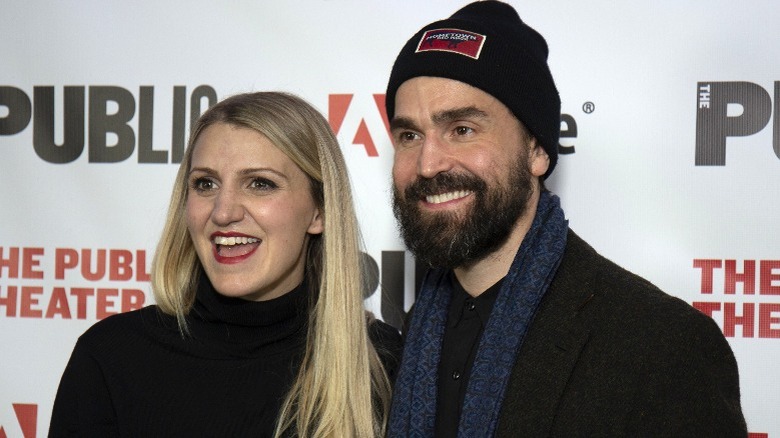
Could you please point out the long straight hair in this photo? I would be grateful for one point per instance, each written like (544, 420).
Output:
(341, 389)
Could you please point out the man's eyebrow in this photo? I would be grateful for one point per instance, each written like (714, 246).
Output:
(440, 118)
(402, 123)
(449, 116)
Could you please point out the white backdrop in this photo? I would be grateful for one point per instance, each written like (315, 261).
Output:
(636, 79)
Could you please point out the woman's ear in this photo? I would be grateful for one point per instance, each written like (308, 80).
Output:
(317, 225)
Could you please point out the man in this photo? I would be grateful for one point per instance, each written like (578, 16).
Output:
(521, 329)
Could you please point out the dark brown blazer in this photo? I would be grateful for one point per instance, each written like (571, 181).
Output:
(609, 354)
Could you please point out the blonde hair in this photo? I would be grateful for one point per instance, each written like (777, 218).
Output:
(341, 389)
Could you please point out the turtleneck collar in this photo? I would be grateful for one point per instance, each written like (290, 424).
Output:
(244, 327)
(211, 306)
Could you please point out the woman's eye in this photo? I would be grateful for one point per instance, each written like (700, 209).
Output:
(262, 184)
(202, 184)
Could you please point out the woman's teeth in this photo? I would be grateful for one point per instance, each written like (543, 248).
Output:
(230, 241)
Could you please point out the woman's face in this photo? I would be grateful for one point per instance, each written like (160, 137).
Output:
(249, 213)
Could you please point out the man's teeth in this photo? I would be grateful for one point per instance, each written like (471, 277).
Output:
(444, 197)
(230, 241)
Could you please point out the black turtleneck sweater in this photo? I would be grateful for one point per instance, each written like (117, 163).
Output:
(134, 374)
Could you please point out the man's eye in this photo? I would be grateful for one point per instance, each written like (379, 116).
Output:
(463, 130)
(408, 136)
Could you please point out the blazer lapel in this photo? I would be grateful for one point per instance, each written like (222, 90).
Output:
(549, 352)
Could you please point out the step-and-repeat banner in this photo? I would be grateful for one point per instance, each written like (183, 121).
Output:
(670, 159)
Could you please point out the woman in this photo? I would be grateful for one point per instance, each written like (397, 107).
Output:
(259, 327)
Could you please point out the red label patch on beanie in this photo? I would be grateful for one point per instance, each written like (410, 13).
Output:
(457, 41)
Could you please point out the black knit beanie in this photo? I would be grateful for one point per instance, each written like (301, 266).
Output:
(487, 45)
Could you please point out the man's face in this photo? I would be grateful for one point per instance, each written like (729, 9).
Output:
(464, 170)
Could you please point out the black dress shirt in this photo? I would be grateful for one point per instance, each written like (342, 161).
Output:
(467, 317)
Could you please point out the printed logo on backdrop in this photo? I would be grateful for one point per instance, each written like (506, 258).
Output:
(107, 113)
(110, 281)
(743, 296)
(339, 106)
(733, 109)
(27, 418)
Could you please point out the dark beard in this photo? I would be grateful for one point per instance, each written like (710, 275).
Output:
(449, 241)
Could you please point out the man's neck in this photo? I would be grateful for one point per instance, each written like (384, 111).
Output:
(479, 276)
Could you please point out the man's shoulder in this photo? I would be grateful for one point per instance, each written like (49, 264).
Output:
(609, 352)
(623, 303)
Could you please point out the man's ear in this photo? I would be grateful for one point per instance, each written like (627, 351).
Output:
(538, 159)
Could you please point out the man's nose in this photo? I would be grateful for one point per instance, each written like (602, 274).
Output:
(434, 158)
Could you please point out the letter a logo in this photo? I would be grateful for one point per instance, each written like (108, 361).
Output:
(27, 415)
(338, 104)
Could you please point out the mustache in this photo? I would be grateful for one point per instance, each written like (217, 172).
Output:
(443, 183)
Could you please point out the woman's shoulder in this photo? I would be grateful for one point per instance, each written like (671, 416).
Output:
(388, 344)
(122, 328)
(382, 333)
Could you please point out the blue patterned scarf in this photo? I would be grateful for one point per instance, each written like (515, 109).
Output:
(413, 411)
